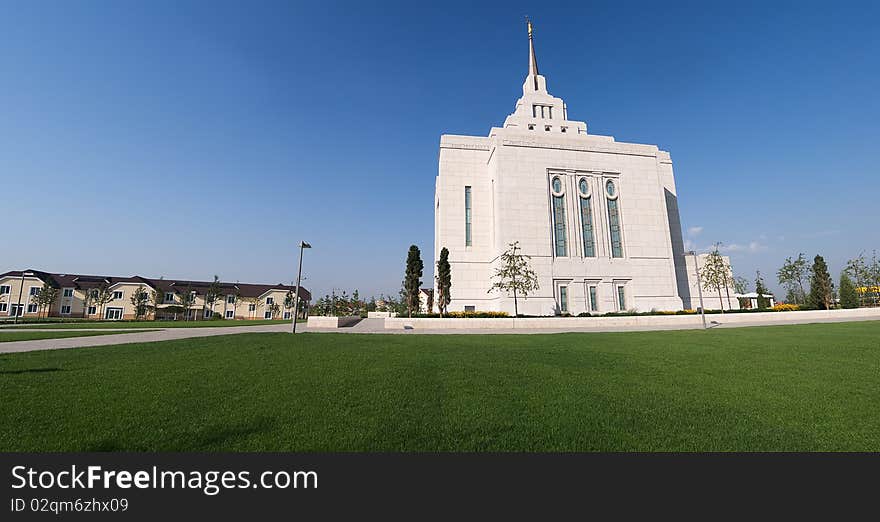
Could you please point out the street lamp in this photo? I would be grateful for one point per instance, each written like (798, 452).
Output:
(699, 287)
(302, 246)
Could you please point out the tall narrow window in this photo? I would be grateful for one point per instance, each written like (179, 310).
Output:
(594, 304)
(621, 298)
(563, 299)
(613, 219)
(559, 218)
(467, 217)
(586, 219)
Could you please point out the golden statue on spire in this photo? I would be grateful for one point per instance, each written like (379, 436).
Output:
(529, 24)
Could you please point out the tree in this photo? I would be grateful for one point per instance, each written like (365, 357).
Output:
(253, 304)
(741, 285)
(821, 286)
(413, 279)
(187, 298)
(274, 308)
(290, 301)
(87, 298)
(761, 290)
(444, 281)
(515, 274)
(102, 297)
(716, 274)
(213, 294)
(848, 296)
(140, 301)
(157, 297)
(792, 275)
(866, 275)
(45, 298)
(430, 301)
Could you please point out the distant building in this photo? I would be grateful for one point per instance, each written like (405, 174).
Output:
(599, 218)
(750, 300)
(76, 294)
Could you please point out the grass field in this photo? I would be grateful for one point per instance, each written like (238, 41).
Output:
(6, 337)
(143, 324)
(805, 387)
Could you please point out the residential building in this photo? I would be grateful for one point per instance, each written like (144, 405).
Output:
(79, 296)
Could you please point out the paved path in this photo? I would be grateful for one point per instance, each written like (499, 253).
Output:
(366, 326)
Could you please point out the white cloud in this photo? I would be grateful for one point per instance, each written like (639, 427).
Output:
(752, 247)
(694, 231)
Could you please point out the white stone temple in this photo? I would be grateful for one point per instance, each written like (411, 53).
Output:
(599, 218)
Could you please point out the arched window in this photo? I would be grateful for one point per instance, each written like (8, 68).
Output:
(586, 218)
(614, 218)
(558, 193)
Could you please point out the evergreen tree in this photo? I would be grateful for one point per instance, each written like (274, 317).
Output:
(444, 281)
(821, 286)
(413, 279)
(848, 296)
(761, 290)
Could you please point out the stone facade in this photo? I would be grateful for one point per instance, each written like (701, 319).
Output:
(599, 218)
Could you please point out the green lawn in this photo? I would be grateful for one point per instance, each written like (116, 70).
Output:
(6, 337)
(144, 324)
(805, 387)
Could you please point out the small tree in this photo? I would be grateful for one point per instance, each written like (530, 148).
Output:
(444, 281)
(761, 290)
(87, 299)
(716, 274)
(821, 286)
(413, 279)
(213, 294)
(187, 298)
(102, 297)
(140, 301)
(157, 297)
(44, 299)
(253, 303)
(515, 274)
(849, 298)
(792, 275)
(290, 302)
(274, 308)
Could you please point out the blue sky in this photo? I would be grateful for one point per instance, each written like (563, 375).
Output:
(184, 139)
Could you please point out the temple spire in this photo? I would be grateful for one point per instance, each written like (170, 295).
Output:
(533, 62)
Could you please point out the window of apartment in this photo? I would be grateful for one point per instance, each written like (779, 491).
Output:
(470, 308)
(586, 218)
(559, 238)
(270, 300)
(594, 302)
(621, 298)
(65, 309)
(15, 309)
(31, 308)
(230, 299)
(117, 294)
(252, 307)
(230, 314)
(468, 241)
(4, 307)
(5, 289)
(613, 219)
(93, 294)
(34, 290)
(68, 292)
(169, 297)
(267, 314)
(92, 310)
(208, 313)
(286, 315)
(563, 299)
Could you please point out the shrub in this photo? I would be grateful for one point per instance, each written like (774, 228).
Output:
(479, 314)
(785, 307)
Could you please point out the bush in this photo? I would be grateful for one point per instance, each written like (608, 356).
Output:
(217, 317)
(464, 315)
(785, 307)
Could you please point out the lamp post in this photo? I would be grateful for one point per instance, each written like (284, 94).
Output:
(699, 287)
(302, 246)
(19, 308)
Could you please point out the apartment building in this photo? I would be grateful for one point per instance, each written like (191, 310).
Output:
(79, 296)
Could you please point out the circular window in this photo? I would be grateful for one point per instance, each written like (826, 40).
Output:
(557, 185)
(610, 189)
(584, 187)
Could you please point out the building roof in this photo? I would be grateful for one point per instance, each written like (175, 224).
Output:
(82, 282)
